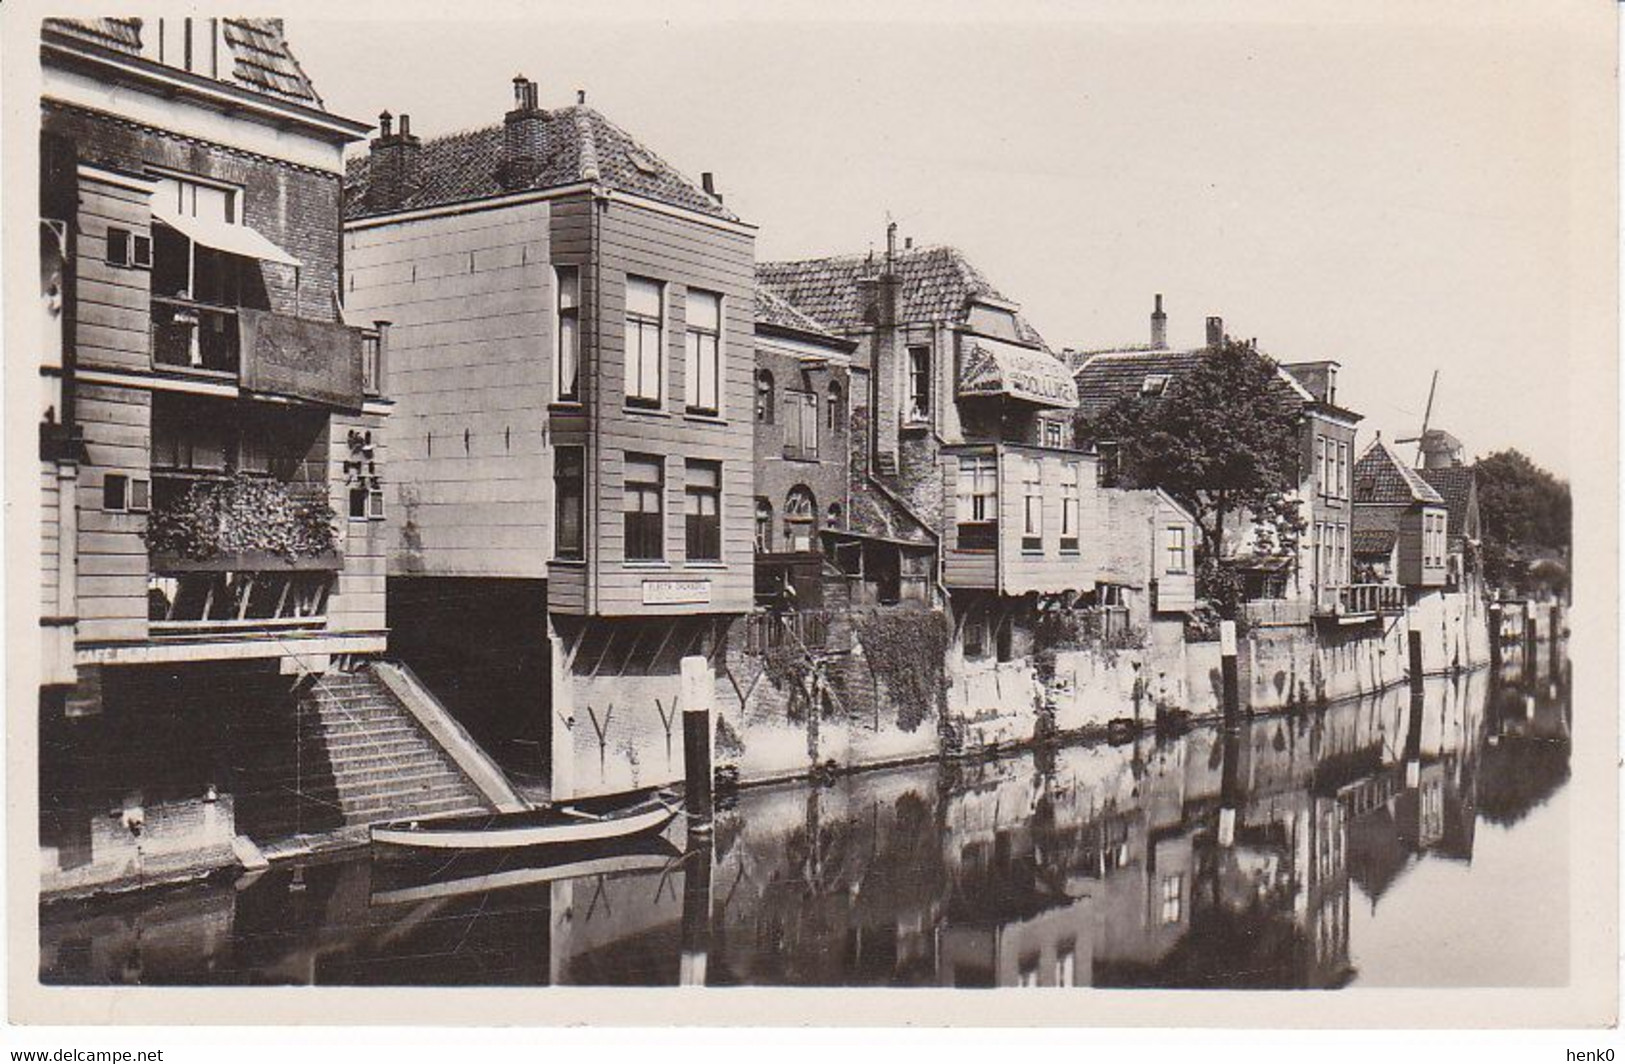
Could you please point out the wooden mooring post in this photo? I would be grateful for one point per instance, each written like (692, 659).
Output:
(1414, 639)
(1555, 636)
(1229, 680)
(1530, 642)
(698, 694)
(1496, 633)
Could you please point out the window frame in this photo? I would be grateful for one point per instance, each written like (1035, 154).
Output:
(1032, 506)
(694, 343)
(566, 313)
(563, 478)
(701, 528)
(919, 384)
(977, 503)
(795, 520)
(1071, 506)
(633, 520)
(801, 425)
(1176, 546)
(636, 393)
(834, 402)
(134, 494)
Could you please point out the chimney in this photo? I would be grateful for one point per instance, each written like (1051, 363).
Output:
(708, 182)
(1215, 331)
(1159, 326)
(889, 373)
(908, 243)
(395, 164)
(522, 131)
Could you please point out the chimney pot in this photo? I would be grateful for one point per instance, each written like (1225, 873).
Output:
(581, 96)
(1159, 326)
(908, 243)
(707, 183)
(1215, 331)
(385, 123)
(406, 125)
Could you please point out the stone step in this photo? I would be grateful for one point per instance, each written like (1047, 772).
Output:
(396, 804)
(352, 778)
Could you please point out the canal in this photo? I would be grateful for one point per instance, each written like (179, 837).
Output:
(1367, 843)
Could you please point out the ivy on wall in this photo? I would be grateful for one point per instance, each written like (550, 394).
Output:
(243, 515)
(907, 650)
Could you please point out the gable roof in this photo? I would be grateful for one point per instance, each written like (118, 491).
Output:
(1382, 477)
(1106, 377)
(261, 59)
(578, 144)
(774, 310)
(935, 284)
(1455, 484)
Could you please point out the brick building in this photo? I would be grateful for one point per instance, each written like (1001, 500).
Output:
(1314, 580)
(1401, 523)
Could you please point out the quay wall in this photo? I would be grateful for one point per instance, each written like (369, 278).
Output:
(1081, 693)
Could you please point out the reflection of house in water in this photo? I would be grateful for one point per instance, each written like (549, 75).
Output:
(1047, 943)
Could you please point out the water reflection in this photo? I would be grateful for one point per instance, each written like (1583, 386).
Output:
(1212, 860)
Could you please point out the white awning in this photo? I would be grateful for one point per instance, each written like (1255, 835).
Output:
(994, 367)
(234, 239)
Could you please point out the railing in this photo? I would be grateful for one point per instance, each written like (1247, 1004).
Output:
(196, 337)
(769, 631)
(1370, 599)
(236, 601)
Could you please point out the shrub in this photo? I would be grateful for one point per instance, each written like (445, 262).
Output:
(907, 650)
(243, 515)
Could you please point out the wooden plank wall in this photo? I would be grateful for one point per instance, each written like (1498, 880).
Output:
(112, 554)
(470, 297)
(114, 309)
(681, 253)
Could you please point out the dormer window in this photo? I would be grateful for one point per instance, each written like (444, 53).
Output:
(1154, 384)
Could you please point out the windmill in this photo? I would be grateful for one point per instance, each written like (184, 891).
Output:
(1427, 415)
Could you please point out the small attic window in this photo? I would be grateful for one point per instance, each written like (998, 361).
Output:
(1154, 384)
(643, 162)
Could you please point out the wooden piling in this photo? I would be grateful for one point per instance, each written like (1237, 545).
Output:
(1530, 642)
(1496, 630)
(1415, 640)
(1554, 634)
(1231, 684)
(698, 694)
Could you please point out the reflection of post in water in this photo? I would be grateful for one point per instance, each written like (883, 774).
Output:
(1230, 795)
(696, 927)
(1496, 633)
(1556, 622)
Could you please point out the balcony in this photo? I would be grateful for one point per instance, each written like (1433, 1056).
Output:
(273, 354)
(1369, 600)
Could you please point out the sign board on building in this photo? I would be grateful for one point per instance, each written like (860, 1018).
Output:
(676, 592)
(992, 367)
(316, 360)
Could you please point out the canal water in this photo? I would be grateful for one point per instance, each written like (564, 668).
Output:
(1368, 843)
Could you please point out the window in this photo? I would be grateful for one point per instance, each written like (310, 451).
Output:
(1178, 556)
(1342, 491)
(569, 502)
(800, 518)
(1323, 465)
(919, 383)
(764, 526)
(1052, 433)
(800, 425)
(125, 494)
(764, 397)
(195, 289)
(645, 310)
(567, 349)
(1071, 505)
(978, 503)
(1173, 898)
(702, 492)
(1032, 526)
(642, 502)
(1154, 384)
(974, 633)
(704, 368)
(127, 249)
(835, 408)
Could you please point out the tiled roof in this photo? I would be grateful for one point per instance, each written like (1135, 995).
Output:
(773, 309)
(1455, 485)
(935, 285)
(577, 144)
(1106, 377)
(1373, 540)
(261, 60)
(1381, 476)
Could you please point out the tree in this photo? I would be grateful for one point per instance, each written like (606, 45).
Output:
(1223, 440)
(1527, 515)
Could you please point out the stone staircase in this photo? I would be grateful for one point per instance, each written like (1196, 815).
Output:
(352, 755)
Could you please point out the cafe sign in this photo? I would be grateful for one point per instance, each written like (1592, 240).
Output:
(676, 592)
(994, 368)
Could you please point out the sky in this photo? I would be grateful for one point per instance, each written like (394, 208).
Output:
(1396, 196)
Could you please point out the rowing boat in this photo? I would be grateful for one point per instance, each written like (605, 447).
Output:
(479, 872)
(574, 823)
